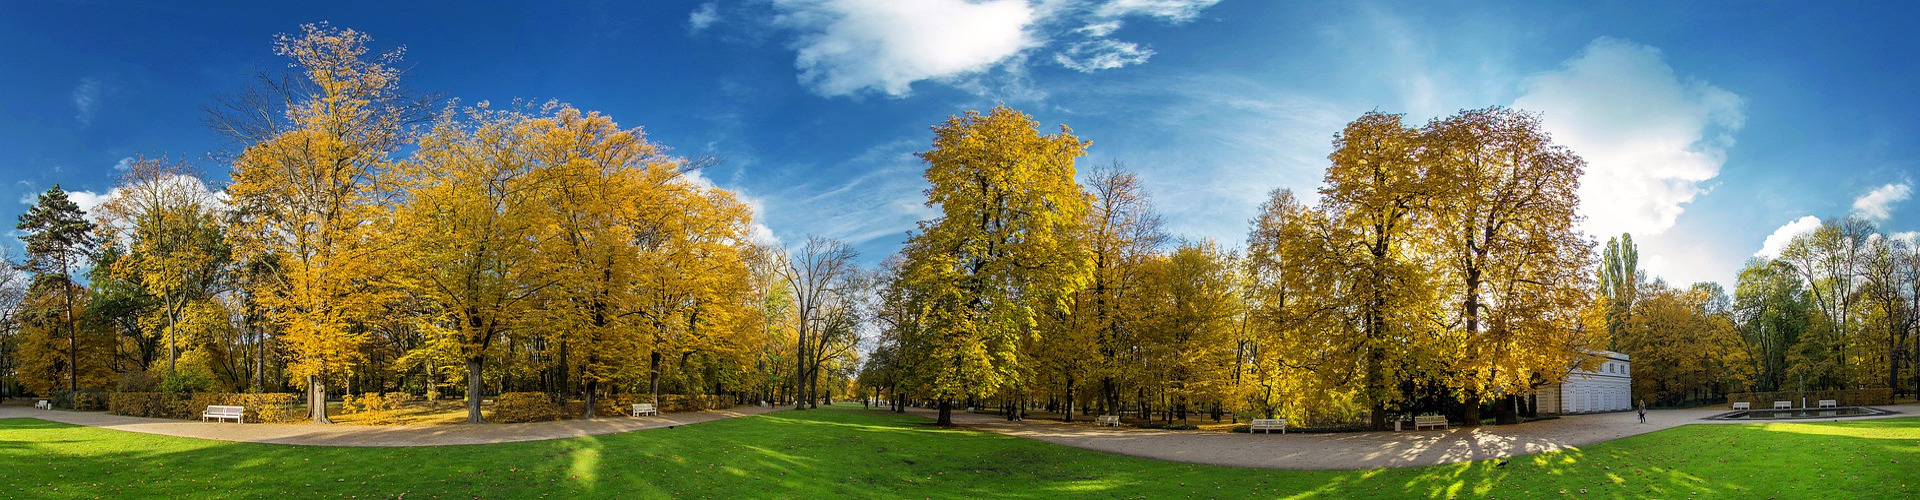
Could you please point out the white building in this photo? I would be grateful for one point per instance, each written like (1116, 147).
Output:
(1610, 388)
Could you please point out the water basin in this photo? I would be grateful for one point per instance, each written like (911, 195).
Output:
(1797, 413)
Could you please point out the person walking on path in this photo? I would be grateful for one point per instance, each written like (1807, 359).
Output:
(1643, 411)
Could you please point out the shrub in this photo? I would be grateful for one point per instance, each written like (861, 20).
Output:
(375, 408)
(140, 381)
(83, 400)
(525, 407)
(186, 381)
(694, 402)
(147, 404)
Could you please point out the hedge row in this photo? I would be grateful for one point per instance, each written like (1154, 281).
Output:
(540, 406)
(84, 400)
(262, 407)
(696, 402)
(1845, 397)
(525, 407)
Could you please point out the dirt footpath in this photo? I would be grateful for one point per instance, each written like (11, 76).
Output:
(355, 435)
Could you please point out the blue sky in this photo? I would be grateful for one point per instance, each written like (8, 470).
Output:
(1713, 129)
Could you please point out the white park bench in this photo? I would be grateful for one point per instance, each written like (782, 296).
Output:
(1743, 405)
(1268, 425)
(221, 413)
(1781, 405)
(1829, 403)
(43, 405)
(1430, 421)
(645, 409)
(1107, 420)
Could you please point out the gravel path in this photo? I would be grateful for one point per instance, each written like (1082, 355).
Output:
(1356, 450)
(392, 435)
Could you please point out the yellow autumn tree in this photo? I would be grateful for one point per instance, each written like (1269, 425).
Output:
(472, 221)
(1374, 192)
(312, 197)
(1005, 247)
(692, 271)
(1505, 203)
(1683, 349)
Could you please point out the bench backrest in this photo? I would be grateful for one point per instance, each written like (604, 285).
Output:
(1434, 419)
(1107, 418)
(1825, 402)
(226, 410)
(643, 406)
(1742, 405)
(1263, 422)
(1782, 404)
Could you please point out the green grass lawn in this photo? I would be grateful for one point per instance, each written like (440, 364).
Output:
(852, 453)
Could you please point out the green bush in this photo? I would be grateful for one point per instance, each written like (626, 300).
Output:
(525, 407)
(140, 381)
(83, 400)
(186, 381)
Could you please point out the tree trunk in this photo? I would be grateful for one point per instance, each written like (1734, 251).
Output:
(593, 388)
(172, 352)
(1068, 413)
(474, 390)
(1471, 414)
(946, 412)
(653, 383)
(317, 399)
(73, 350)
(1509, 413)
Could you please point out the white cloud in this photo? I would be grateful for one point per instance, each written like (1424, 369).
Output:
(1101, 53)
(849, 47)
(1877, 205)
(1171, 10)
(124, 164)
(1912, 238)
(86, 100)
(701, 18)
(757, 230)
(852, 46)
(1650, 138)
(1781, 237)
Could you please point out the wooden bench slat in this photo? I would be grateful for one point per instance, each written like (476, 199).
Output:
(221, 413)
(1430, 421)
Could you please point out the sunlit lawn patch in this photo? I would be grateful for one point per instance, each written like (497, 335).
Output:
(847, 453)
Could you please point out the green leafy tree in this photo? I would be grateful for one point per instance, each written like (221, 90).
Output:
(59, 238)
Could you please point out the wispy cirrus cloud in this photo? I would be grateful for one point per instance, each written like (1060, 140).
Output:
(702, 17)
(86, 99)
